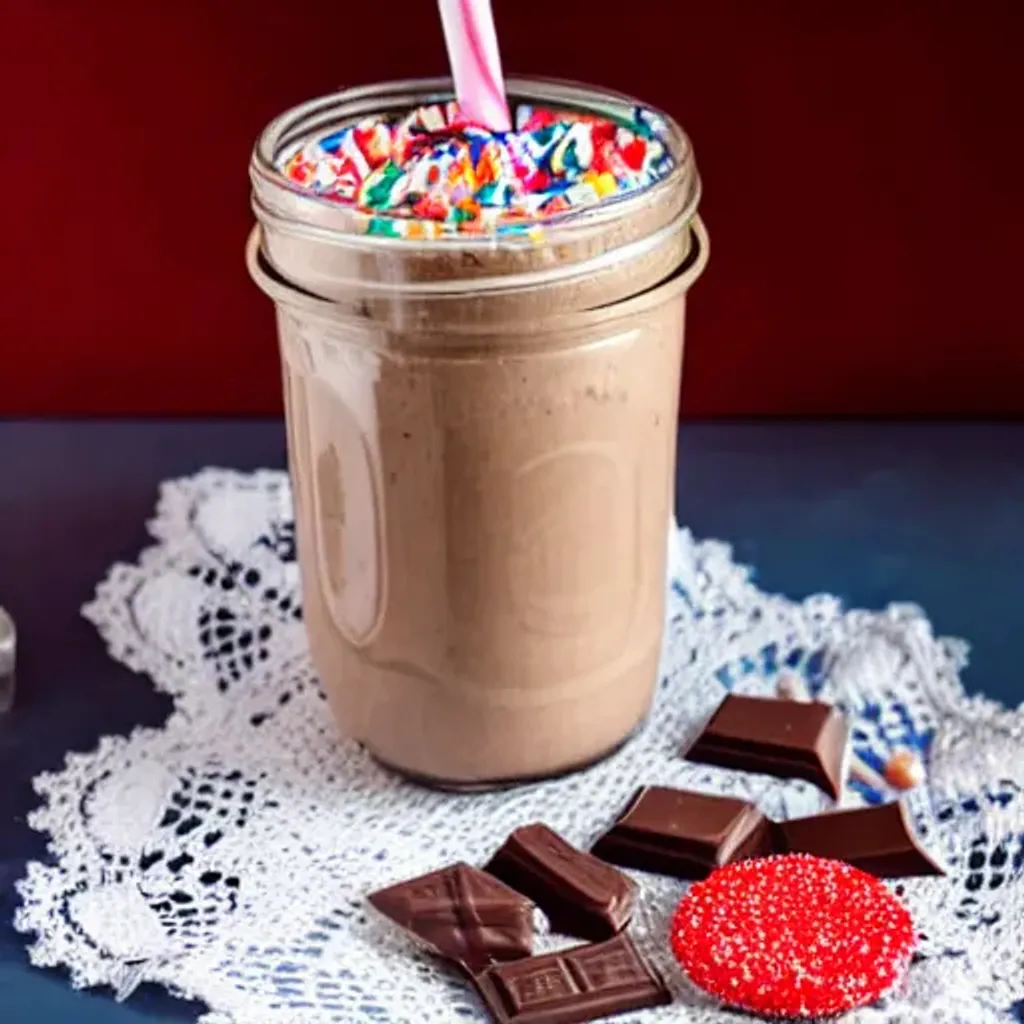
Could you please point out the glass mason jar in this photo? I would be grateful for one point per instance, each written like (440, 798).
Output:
(481, 436)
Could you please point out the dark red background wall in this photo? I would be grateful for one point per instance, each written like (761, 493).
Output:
(863, 162)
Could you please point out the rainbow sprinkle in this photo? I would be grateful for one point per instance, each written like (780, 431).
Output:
(430, 173)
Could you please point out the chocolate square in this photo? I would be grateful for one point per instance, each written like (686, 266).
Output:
(684, 834)
(878, 840)
(786, 738)
(580, 895)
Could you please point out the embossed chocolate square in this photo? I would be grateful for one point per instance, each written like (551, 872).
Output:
(786, 738)
(684, 834)
(463, 914)
(581, 895)
(573, 986)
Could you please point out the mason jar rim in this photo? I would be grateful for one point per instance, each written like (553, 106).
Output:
(324, 114)
(286, 294)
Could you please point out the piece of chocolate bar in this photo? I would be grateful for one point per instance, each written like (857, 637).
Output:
(581, 895)
(684, 834)
(463, 914)
(573, 986)
(879, 840)
(785, 738)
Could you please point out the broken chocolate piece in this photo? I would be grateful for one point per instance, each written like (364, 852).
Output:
(879, 840)
(684, 834)
(581, 895)
(573, 986)
(785, 738)
(463, 914)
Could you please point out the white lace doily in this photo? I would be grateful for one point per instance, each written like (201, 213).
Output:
(227, 855)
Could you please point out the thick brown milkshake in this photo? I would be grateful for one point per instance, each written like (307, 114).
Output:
(482, 445)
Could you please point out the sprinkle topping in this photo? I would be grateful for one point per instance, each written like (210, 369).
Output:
(793, 936)
(431, 173)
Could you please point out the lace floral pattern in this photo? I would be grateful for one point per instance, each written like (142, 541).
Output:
(226, 855)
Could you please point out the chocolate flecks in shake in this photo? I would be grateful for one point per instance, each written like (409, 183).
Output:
(430, 173)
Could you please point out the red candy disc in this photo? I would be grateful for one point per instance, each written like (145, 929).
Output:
(793, 936)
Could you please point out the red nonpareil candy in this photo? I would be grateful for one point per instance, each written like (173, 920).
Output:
(793, 936)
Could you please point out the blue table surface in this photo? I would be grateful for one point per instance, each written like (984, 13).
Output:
(930, 513)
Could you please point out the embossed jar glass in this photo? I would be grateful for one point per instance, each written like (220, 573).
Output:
(481, 439)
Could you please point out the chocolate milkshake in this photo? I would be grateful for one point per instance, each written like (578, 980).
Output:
(481, 434)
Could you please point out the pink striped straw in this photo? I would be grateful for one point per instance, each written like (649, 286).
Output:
(475, 61)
